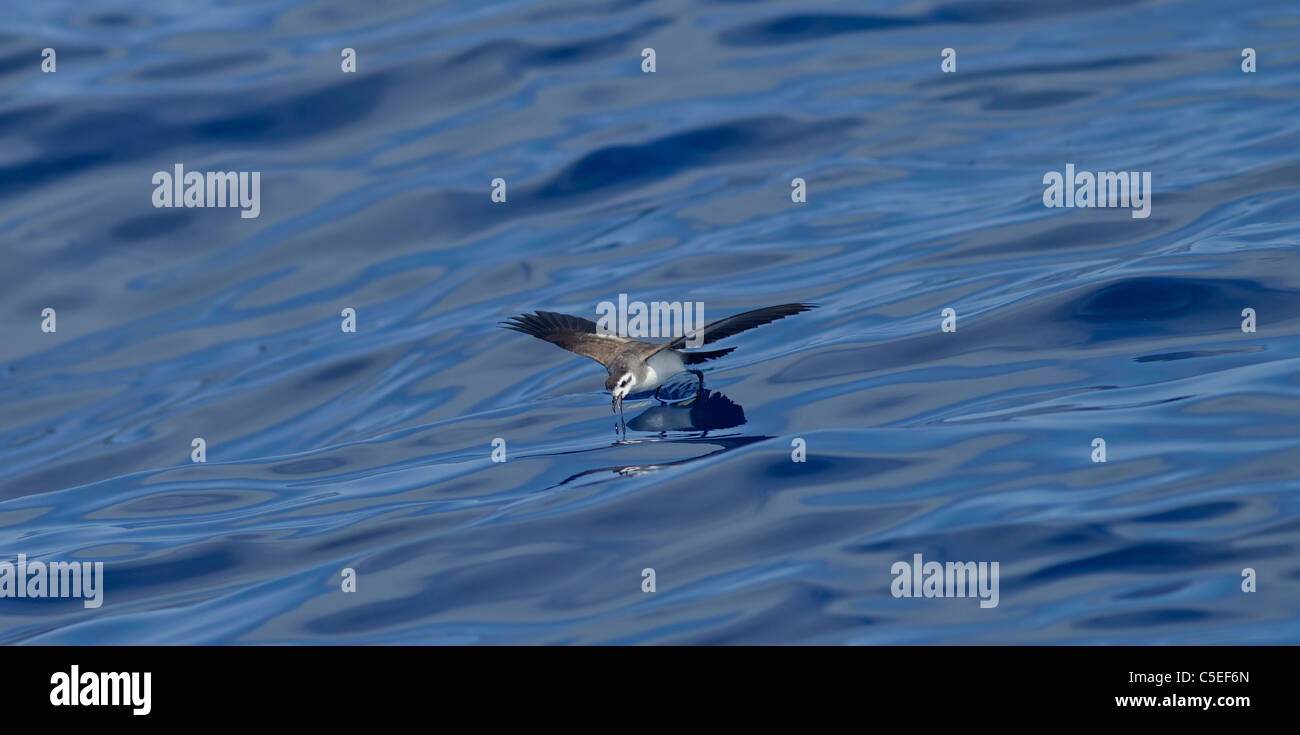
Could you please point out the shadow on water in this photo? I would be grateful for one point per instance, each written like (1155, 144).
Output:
(710, 411)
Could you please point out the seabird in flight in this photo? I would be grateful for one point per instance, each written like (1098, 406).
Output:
(633, 364)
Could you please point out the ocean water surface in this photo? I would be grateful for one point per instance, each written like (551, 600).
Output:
(328, 450)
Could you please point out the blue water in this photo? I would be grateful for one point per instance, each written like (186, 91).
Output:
(372, 450)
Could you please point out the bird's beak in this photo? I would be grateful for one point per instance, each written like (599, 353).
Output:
(617, 401)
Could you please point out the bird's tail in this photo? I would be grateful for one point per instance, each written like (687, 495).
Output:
(694, 358)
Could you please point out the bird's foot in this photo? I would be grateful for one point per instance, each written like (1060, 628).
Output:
(699, 388)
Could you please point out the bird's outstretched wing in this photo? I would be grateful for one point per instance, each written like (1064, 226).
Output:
(724, 328)
(570, 332)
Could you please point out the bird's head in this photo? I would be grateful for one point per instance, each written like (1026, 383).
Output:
(619, 386)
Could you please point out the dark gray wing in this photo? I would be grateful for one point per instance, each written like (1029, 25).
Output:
(724, 328)
(574, 334)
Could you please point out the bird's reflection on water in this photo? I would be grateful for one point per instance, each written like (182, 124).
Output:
(708, 411)
(724, 444)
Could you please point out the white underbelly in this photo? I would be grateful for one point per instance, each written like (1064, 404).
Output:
(660, 367)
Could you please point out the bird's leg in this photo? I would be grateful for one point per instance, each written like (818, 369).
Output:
(656, 395)
(700, 389)
(622, 421)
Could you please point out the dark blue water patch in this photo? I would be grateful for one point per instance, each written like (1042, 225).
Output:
(587, 49)
(1158, 617)
(72, 471)
(567, 10)
(1077, 536)
(422, 215)
(1042, 69)
(810, 27)
(788, 536)
(1004, 99)
(799, 601)
(349, 541)
(517, 578)
(41, 608)
(1134, 306)
(113, 20)
(735, 264)
(164, 222)
(746, 139)
(997, 542)
(1190, 513)
(1186, 355)
(342, 370)
(295, 117)
(1163, 589)
(1141, 299)
(187, 569)
(804, 27)
(70, 299)
(175, 502)
(97, 137)
(43, 171)
(1151, 558)
(23, 117)
(1072, 235)
(308, 466)
(1002, 11)
(26, 62)
(830, 468)
(216, 64)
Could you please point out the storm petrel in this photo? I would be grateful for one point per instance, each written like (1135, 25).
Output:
(642, 365)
